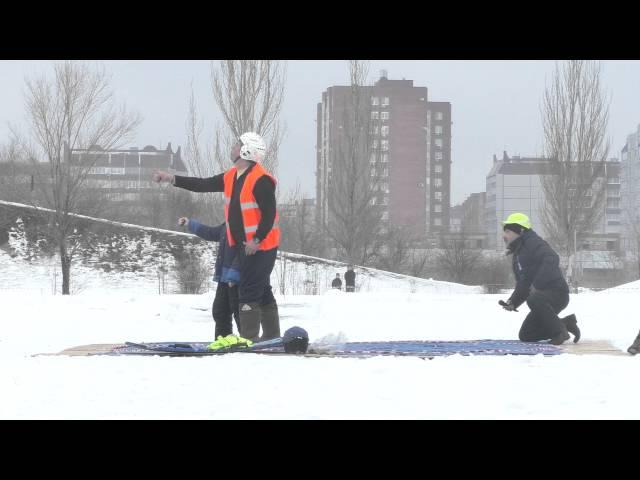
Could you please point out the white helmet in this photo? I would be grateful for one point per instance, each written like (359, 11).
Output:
(253, 147)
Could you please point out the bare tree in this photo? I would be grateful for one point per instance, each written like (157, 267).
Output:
(16, 177)
(456, 260)
(297, 224)
(418, 261)
(73, 110)
(396, 253)
(494, 272)
(197, 156)
(575, 114)
(199, 161)
(249, 95)
(353, 196)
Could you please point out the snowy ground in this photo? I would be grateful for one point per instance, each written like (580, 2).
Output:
(254, 386)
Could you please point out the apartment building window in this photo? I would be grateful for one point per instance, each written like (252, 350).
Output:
(613, 202)
(384, 115)
(385, 172)
(438, 115)
(372, 159)
(437, 208)
(384, 130)
(438, 196)
(375, 129)
(437, 222)
(373, 201)
(438, 156)
(438, 130)
(385, 215)
(375, 101)
(385, 158)
(385, 145)
(374, 115)
(438, 168)
(374, 143)
(437, 182)
(438, 142)
(385, 200)
(385, 101)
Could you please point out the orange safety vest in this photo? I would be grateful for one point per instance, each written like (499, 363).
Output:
(251, 214)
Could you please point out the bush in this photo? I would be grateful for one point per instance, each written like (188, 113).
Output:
(192, 272)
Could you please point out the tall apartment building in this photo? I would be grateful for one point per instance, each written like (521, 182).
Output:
(414, 138)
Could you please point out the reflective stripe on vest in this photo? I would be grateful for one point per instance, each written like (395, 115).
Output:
(251, 214)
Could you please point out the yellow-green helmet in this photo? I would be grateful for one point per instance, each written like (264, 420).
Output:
(519, 219)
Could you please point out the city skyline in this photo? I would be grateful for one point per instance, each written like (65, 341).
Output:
(495, 106)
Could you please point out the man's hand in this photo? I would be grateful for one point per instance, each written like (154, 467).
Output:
(251, 246)
(508, 306)
(183, 221)
(161, 176)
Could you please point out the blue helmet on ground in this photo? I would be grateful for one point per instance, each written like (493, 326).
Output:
(296, 340)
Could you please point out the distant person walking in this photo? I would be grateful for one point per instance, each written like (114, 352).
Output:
(350, 280)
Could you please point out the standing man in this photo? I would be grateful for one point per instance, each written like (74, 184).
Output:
(252, 228)
(337, 283)
(539, 282)
(350, 280)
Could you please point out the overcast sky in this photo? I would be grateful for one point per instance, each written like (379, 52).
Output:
(495, 105)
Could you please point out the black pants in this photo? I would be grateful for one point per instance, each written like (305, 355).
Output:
(543, 323)
(255, 276)
(350, 288)
(225, 305)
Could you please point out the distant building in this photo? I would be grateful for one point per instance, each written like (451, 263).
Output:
(413, 138)
(468, 221)
(125, 174)
(630, 190)
(514, 184)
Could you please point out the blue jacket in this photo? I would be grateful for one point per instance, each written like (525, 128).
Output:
(227, 263)
(534, 263)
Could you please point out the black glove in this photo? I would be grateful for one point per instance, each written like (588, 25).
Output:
(508, 306)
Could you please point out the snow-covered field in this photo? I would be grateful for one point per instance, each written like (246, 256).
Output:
(254, 386)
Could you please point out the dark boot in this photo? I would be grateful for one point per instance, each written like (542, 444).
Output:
(571, 322)
(560, 338)
(250, 316)
(634, 349)
(270, 321)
